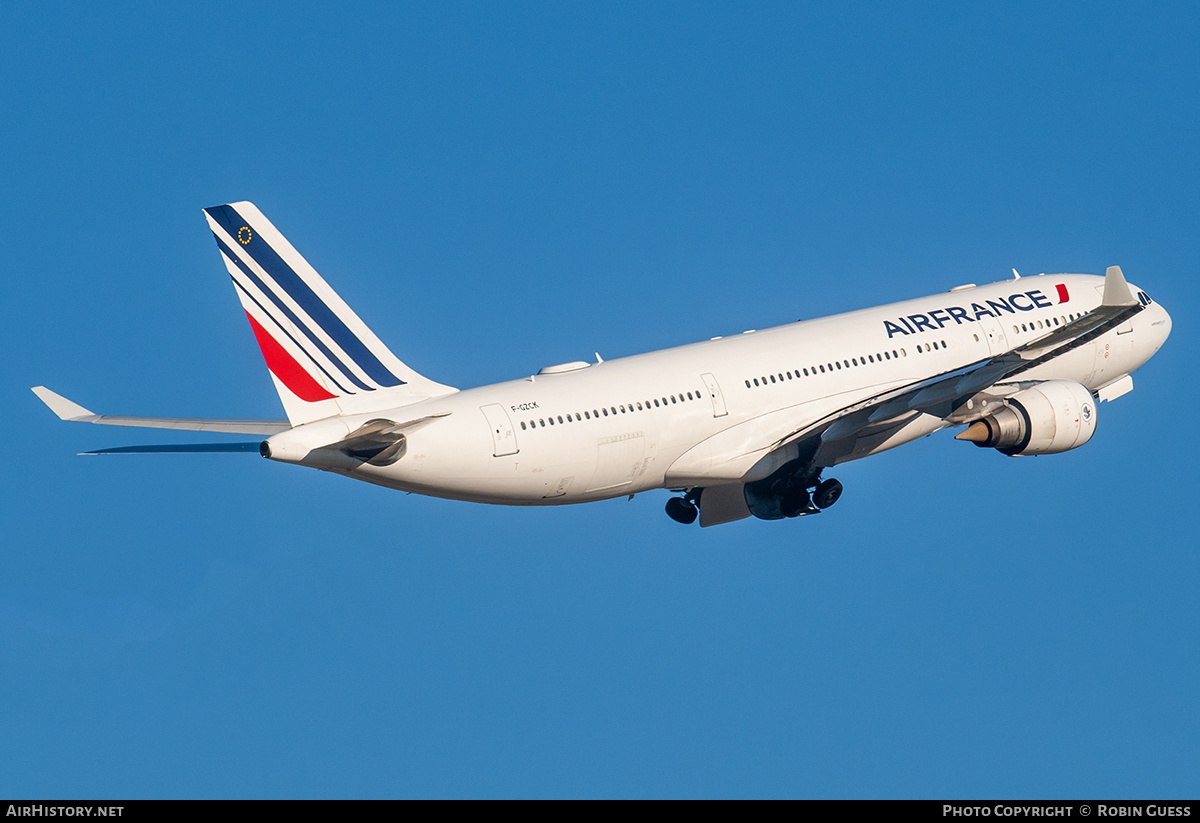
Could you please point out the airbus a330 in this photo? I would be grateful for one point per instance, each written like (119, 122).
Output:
(734, 426)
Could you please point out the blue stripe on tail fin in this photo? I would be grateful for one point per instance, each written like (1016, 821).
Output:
(322, 357)
(285, 276)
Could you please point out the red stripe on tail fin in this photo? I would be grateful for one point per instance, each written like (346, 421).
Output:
(285, 367)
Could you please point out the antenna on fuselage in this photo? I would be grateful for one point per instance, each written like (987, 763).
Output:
(1016, 275)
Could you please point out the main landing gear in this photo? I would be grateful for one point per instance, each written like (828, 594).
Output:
(795, 501)
(787, 496)
(778, 499)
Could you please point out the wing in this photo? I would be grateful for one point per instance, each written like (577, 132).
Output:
(899, 414)
(876, 418)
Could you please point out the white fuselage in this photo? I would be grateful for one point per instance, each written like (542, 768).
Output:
(718, 412)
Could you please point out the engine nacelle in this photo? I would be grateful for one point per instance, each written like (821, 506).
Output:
(1048, 418)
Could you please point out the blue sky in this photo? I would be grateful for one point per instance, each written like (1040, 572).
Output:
(495, 187)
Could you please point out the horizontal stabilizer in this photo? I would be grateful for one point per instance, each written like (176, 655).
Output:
(64, 408)
(182, 448)
(67, 410)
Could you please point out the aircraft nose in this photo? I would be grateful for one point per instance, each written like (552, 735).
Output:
(1161, 326)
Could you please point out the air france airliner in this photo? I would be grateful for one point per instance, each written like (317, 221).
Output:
(733, 426)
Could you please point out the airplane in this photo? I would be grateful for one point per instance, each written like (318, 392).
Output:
(736, 426)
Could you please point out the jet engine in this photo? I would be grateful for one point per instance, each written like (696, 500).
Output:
(1047, 418)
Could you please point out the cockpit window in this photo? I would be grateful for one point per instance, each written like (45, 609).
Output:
(1144, 298)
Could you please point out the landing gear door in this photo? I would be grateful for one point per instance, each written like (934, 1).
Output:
(504, 436)
(714, 393)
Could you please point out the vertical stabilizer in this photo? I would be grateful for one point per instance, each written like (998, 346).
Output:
(323, 358)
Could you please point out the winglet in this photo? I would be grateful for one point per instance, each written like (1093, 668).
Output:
(1116, 290)
(64, 408)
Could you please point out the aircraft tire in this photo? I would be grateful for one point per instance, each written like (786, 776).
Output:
(827, 493)
(681, 511)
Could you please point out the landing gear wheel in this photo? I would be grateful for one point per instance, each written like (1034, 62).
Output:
(681, 510)
(827, 493)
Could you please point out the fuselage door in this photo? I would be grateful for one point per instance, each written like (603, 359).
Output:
(993, 332)
(714, 393)
(504, 436)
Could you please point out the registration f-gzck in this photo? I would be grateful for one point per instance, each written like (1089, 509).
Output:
(735, 426)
